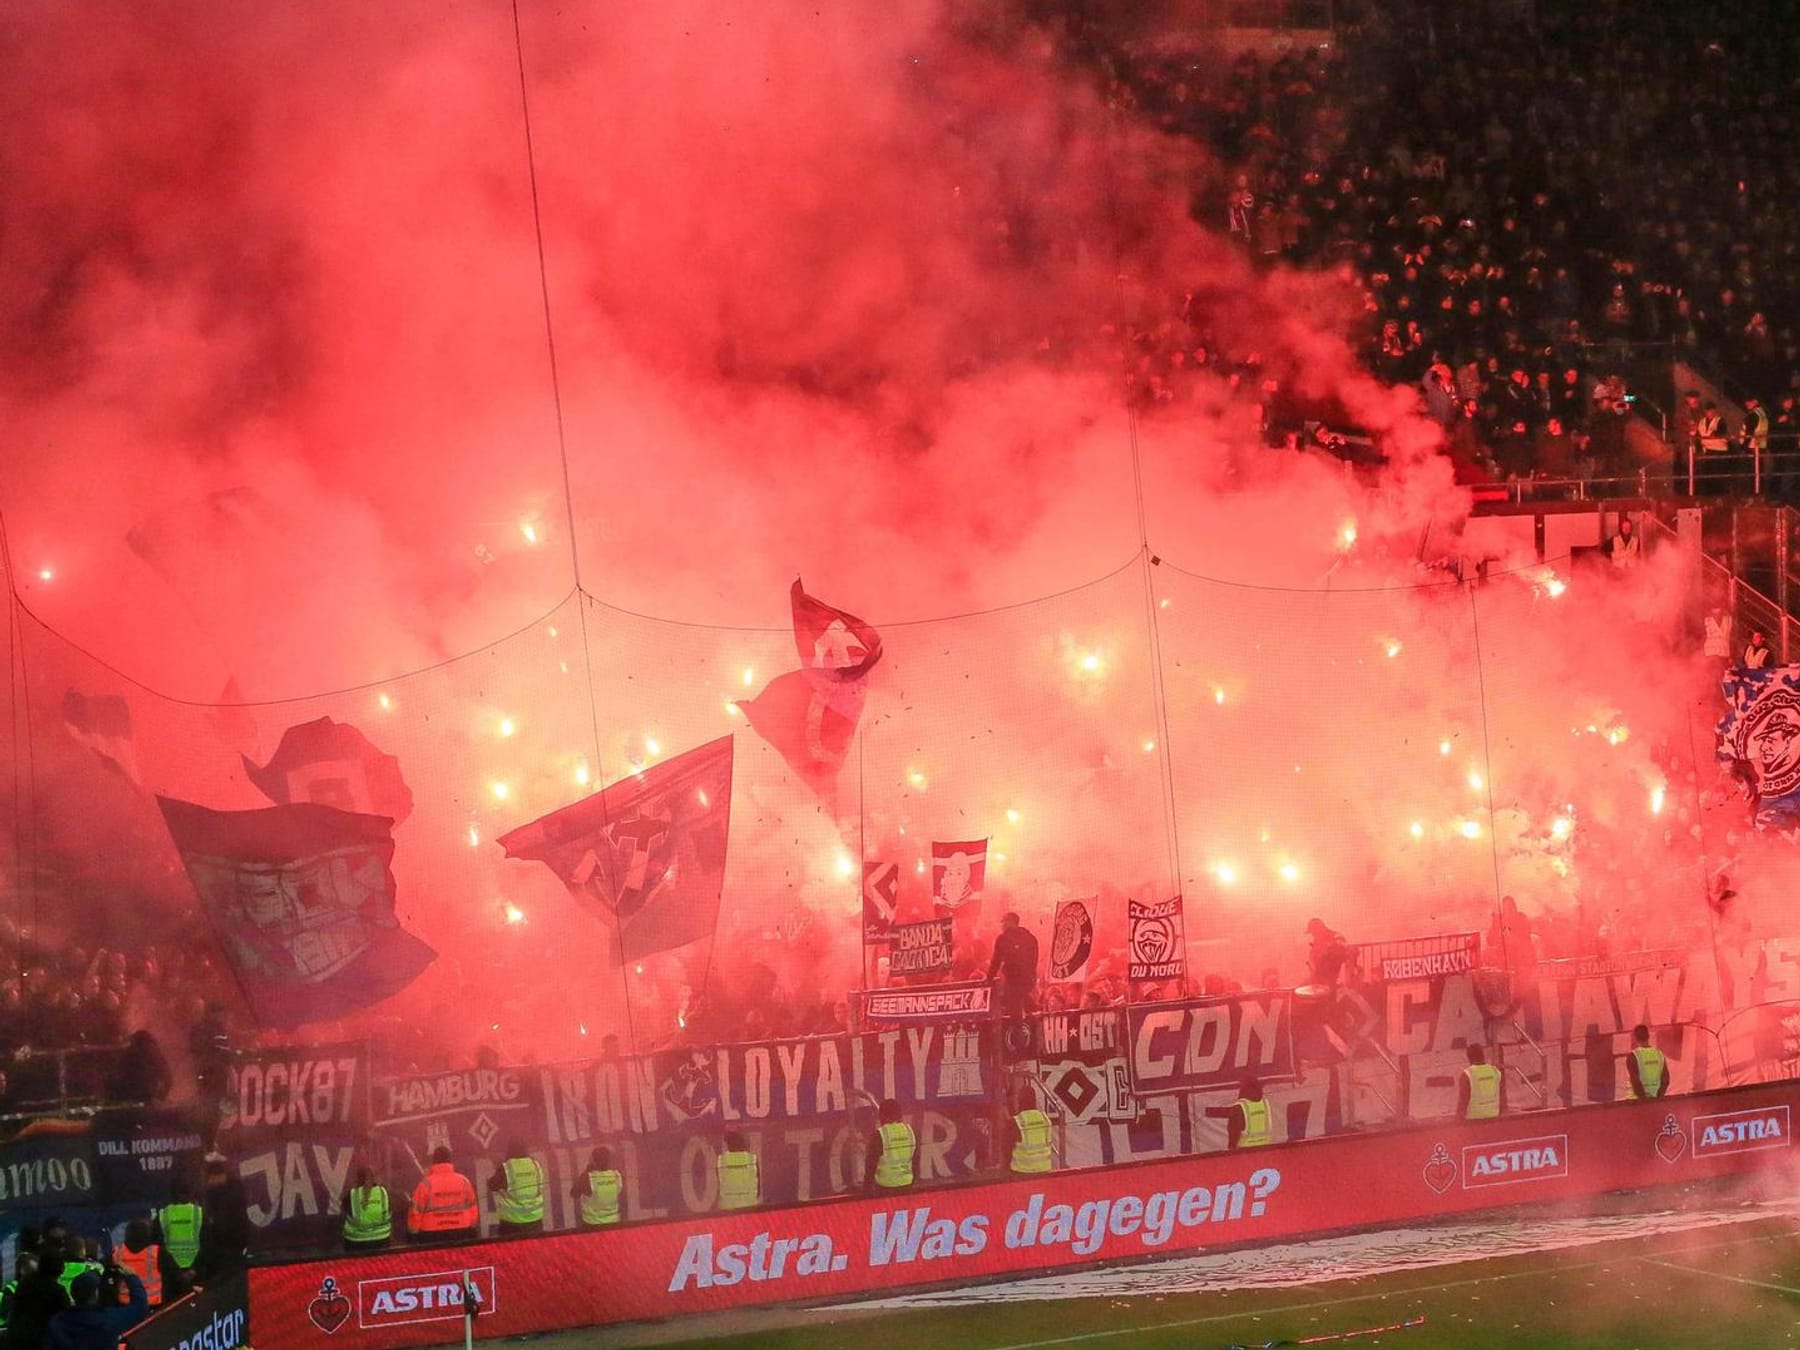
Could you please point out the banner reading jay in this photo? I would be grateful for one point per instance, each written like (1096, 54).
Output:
(647, 853)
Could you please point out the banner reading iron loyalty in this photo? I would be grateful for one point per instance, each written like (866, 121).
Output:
(647, 854)
(1158, 944)
(303, 901)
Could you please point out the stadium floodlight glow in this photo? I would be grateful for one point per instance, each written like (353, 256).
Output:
(917, 779)
(749, 676)
(529, 530)
(507, 727)
(1393, 648)
(514, 914)
(500, 790)
(1218, 694)
(1149, 746)
(1561, 827)
(1476, 782)
(384, 701)
(1227, 873)
(1012, 816)
(1288, 872)
(581, 773)
(46, 574)
(845, 867)
(1656, 800)
(1471, 829)
(1443, 747)
(650, 744)
(474, 837)
(1347, 535)
(1416, 829)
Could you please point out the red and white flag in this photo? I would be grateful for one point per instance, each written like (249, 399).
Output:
(832, 642)
(958, 873)
(811, 715)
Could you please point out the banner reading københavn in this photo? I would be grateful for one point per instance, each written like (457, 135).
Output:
(647, 853)
(303, 901)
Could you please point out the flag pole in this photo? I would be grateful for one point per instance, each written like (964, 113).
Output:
(862, 860)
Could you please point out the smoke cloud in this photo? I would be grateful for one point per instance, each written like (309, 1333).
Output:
(842, 292)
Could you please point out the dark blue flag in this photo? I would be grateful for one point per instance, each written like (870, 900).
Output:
(303, 901)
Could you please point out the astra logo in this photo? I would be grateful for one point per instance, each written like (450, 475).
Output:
(1741, 1131)
(433, 1297)
(1510, 1160)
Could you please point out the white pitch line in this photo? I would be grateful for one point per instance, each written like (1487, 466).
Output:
(1718, 1275)
(1086, 1336)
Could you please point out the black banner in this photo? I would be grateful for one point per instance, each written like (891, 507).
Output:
(214, 1318)
(138, 1153)
(1210, 1042)
(921, 948)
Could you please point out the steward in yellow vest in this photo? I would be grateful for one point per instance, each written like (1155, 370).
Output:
(740, 1179)
(368, 1212)
(1031, 1137)
(596, 1192)
(1248, 1120)
(1647, 1068)
(891, 1150)
(1478, 1094)
(178, 1223)
(518, 1190)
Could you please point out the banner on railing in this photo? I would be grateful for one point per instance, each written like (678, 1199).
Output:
(1207, 1043)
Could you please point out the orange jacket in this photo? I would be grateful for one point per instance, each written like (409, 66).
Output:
(146, 1266)
(442, 1202)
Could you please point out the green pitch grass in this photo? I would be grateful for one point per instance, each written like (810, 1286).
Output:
(1721, 1289)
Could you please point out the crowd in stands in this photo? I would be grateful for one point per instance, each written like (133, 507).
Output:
(1540, 205)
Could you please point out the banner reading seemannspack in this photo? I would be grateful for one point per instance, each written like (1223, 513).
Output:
(945, 1003)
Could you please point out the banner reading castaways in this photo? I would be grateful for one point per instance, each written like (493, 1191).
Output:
(1157, 940)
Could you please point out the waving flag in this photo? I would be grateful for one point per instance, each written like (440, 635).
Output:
(1072, 940)
(810, 715)
(831, 641)
(881, 896)
(333, 764)
(102, 722)
(1759, 740)
(303, 900)
(958, 872)
(647, 854)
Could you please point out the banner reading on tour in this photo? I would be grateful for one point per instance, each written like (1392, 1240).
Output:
(1156, 940)
(1208, 1043)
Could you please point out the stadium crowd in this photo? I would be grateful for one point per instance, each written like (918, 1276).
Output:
(1539, 207)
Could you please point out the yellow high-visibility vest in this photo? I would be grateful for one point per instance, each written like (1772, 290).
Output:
(600, 1205)
(523, 1199)
(897, 1147)
(370, 1217)
(1484, 1091)
(1032, 1152)
(1256, 1132)
(740, 1180)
